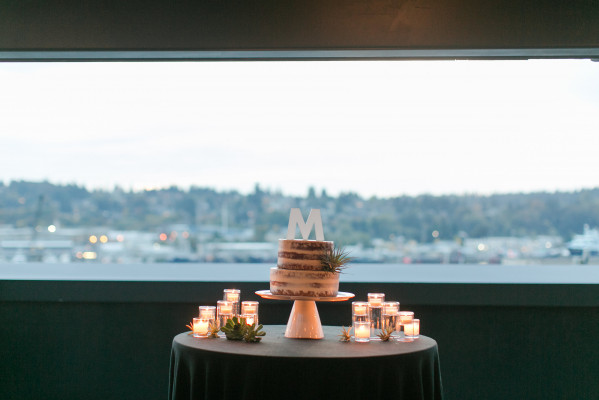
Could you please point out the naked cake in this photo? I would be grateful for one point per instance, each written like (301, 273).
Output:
(299, 270)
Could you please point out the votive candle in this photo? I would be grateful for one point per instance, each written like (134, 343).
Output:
(376, 299)
(225, 307)
(200, 327)
(389, 315)
(249, 307)
(409, 329)
(233, 295)
(208, 312)
(416, 323)
(225, 312)
(249, 318)
(405, 316)
(390, 307)
(362, 331)
(375, 305)
(360, 308)
(359, 313)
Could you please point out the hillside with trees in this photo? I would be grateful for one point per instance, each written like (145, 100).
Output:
(348, 217)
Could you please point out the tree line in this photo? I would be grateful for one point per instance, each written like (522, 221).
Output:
(348, 218)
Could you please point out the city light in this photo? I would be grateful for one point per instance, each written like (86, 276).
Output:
(93, 239)
(51, 229)
(89, 255)
(103, 238)
(435, 234)
(163, 236)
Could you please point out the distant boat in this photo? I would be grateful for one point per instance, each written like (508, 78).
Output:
(585, 244)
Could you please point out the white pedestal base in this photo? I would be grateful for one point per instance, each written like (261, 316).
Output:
(304, 321)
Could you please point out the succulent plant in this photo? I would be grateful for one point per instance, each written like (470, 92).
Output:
(253, 333)
(234, 328)
(237, 329)
(335, 260)
(345, 334)
(190, 326)
(385, 335)
(213, 330)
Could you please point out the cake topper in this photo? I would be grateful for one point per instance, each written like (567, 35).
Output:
(314, 220)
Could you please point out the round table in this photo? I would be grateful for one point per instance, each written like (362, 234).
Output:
(283, 368)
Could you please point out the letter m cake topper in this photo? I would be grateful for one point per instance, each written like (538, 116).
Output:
(314, 220)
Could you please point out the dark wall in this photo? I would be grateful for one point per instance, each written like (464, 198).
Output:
(120, 350)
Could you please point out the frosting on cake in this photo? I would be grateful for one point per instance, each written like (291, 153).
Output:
(299, 270)
(302, 254)
(303, 283)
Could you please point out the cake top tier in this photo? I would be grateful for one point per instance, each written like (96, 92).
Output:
(297, 244)
(302, 254)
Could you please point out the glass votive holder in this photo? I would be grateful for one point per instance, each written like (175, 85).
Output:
(389, 316)
(224, 310)
(359, 312)
(200, 327)
(416, 323)
(362, 331)
(376, 299)
(250, 319)
(390, 307)
(208, 312)
(233, 295)
(375, 306)
(224, 307)
(359, 308)
(408, 329)
(403, 318)
(249, 307)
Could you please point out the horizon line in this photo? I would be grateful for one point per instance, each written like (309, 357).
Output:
(267, 189)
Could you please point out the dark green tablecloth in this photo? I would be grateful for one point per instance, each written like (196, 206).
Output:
(281, 368)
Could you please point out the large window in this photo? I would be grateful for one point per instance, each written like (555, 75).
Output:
(479, 161)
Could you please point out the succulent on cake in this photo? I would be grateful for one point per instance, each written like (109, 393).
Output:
(335, 260)
(237, 329)
(385, 335)
(345, 334)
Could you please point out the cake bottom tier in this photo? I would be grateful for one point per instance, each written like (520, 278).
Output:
(289, 282)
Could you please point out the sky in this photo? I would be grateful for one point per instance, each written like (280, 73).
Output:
(376, 128)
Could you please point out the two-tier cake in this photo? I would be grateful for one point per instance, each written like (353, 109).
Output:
(299, 270)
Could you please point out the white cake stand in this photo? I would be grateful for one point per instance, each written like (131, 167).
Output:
(304, 321)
